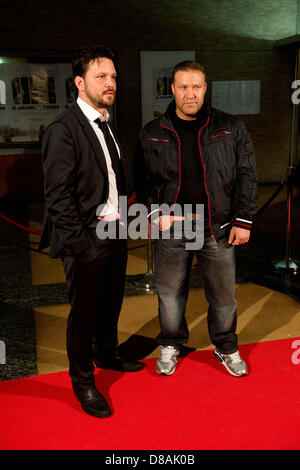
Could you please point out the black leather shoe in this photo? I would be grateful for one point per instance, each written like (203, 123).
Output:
(119, 364)
(92, 402)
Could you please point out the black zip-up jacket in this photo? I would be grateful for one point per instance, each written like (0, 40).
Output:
(228, 160)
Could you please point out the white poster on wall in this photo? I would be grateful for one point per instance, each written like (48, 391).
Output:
(156, 74)
(237, 96)
(32, 95)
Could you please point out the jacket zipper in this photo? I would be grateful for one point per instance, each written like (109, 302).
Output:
(204, 175)
(179, 148)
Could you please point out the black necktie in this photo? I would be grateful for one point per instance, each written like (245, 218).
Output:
(113, 152)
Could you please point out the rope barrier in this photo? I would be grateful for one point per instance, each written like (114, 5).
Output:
(38, 232)
(16, 224)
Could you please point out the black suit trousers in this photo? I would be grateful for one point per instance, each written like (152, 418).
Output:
(96, 282)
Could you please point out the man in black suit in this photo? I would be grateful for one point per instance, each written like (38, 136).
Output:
(82, 163)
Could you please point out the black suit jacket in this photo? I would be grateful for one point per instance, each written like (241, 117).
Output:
(75, 182)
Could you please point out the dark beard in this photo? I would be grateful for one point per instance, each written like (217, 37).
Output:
(100, 104)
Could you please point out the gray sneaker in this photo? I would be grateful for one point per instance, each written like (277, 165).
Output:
(233, 363)
(167, 360)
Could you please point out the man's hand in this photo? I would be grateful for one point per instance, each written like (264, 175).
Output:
(165, 221)
(238, 236)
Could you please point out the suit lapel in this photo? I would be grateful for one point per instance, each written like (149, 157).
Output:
(91, 137)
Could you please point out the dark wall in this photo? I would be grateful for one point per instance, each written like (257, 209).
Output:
(233, 39)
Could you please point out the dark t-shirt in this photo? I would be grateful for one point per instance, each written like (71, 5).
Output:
(192, 190)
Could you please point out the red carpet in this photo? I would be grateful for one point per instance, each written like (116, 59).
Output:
(199, 407)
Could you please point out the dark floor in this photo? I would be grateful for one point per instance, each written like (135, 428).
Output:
(18, 298)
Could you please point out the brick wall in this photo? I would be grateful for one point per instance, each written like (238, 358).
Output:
(233, 39)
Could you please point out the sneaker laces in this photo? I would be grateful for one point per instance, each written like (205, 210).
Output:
(167, 353)
(235, 357)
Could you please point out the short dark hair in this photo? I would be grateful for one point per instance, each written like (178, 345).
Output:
(187, 65)
(84, 56)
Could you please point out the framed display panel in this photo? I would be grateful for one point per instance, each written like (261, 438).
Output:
(237, 96)
(33, 91)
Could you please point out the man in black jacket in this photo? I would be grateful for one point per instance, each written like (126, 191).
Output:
(196, 156)
(82, 163)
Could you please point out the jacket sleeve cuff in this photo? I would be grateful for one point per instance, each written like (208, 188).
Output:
(242, 223)
(153, 217)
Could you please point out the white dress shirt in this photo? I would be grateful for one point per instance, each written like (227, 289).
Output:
(111, 210)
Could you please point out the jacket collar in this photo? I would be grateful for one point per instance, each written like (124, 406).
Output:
(166, 118)
(91, 113)
(91, 136)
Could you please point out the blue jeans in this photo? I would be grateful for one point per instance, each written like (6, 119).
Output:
(172, 271)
